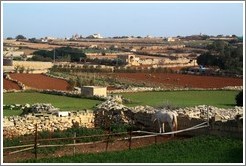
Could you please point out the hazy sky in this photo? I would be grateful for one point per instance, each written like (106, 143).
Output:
(118, 19)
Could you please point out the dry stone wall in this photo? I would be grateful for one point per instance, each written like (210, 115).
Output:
(222, 121)
(21, 125)
(146, 89)
(113, 111)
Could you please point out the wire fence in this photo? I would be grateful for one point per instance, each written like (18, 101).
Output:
(36, 143)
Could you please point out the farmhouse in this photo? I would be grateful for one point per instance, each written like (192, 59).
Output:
(173, 39)
(90, 91)
(129, 59)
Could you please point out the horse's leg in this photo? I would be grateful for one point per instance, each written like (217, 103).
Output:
(159, 124)
(163, 127)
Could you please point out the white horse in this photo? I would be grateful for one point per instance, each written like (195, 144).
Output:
(163, 117)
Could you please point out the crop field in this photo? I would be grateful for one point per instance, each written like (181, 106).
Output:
(223, 99)
(180, 80)
(39, 81)
(201, 149)
(62, 102)
(10, 85)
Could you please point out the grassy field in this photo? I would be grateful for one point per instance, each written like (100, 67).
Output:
(222, 99)
(202, 149)
(62, 102)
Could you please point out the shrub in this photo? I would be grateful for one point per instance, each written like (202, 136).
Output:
(71, 83)
(239, 98)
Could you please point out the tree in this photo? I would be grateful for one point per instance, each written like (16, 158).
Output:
(224, 55)
(21, 69)
(239, 98)
(20, 37)
(33, 40)
(9, 38)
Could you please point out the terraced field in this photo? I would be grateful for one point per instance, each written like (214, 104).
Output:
(40, 81)
(181, 80)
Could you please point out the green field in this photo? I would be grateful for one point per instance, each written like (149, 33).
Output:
(222, 99)
(62, 102)
(202, 149)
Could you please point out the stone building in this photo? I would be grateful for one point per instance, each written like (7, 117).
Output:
(129, 59)
(90, 91)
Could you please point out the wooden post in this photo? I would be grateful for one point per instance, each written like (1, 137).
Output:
(208, 114)
(108, 138)
(74, 141)
(36, 141)
(155, 139)
(130, 139)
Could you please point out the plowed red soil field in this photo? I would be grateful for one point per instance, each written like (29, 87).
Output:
(181, 80)
(9, 85)
(40, 81)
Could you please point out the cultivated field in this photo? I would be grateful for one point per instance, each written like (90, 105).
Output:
(181, 80)
(62, 102)
(10, 85)
(39, 81)
(223, 99)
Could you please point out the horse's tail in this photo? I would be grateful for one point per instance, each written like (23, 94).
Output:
(175, 122)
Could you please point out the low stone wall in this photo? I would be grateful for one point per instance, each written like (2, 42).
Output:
(227, 122)
(222, 121)
(148, 89)
(21, 125)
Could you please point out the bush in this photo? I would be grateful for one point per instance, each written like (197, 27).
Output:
(239, 98)
(117, 128)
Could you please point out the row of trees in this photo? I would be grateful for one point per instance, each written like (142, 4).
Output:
(223, 55)
(18, 37)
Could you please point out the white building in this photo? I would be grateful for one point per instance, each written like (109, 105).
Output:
(95, 36)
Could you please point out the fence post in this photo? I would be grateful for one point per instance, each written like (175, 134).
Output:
(108, 139)
(208, 114)
(36, 141)
(130, 140)
(74, 141)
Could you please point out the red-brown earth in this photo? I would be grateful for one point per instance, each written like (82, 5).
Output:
(181, 80)
(40, 81)
(10, 85)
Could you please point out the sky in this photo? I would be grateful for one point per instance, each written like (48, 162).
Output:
(120, 19)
